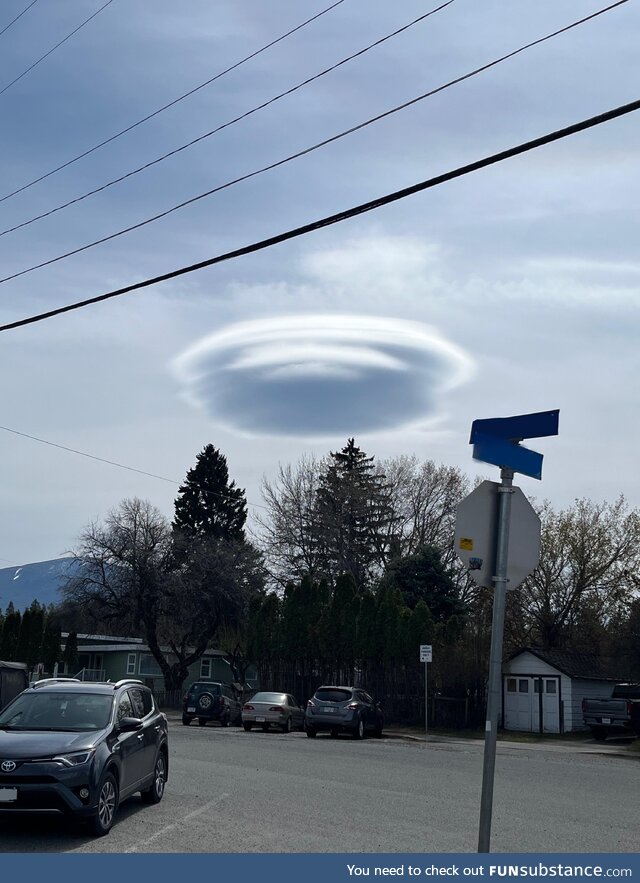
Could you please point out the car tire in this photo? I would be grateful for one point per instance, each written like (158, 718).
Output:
(202, 721)
(358, 732)
(311, 733)
(102, 821)
(186, 720)
(286, 727)
(155, 792)
(247, 727)
(599, 733)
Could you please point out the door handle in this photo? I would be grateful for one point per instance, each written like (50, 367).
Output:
(140, 736)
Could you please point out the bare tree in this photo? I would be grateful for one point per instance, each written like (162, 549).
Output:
(129, 574)
(590, 554)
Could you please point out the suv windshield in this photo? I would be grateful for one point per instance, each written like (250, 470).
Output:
(73, 712)
(333, 695)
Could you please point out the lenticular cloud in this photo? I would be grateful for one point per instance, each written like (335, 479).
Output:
(318, 375)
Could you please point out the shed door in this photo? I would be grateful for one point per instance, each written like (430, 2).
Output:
(517, 704)
(549, 688)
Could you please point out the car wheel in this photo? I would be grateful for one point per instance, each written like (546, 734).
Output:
(599, 733)
(202, 721)
(107, 805)
(286, 727)
(358, 732)
(247, 727)
(186, 720)
(311, 733)
(155, 792)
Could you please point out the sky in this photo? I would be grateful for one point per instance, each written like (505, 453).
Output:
(507, 291)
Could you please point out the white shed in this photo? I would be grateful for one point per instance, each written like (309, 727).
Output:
(542, 690)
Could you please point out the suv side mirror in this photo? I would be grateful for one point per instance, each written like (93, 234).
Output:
(129, 724)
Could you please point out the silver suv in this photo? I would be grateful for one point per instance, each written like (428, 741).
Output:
(343, 710)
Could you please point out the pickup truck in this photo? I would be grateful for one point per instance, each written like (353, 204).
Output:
(617, 716)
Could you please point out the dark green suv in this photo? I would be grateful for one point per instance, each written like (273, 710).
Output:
(211, 701)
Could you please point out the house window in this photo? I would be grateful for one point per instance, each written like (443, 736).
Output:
(149, 666)
(205, 668)
(131, 664)
(523, 686)
(511, 685)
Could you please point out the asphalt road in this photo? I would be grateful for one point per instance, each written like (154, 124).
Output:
(231, 791)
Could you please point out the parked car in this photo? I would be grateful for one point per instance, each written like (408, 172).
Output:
(617, 715)
(81, 748)
(277, 709)
(343, 709)
(211, 701)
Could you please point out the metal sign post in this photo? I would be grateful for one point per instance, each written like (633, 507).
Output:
(498, 539)
(426, 656)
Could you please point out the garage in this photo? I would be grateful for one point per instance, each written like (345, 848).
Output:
(542, 690)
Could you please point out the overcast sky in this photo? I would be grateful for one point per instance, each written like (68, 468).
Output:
(507, 291)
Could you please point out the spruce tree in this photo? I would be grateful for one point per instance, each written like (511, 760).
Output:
(70, 655)
(208, 504)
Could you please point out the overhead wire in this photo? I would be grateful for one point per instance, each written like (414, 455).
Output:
(330, 220)
(114, 463)
(11, 23)
(172, 103)
(308, 150)
(229, 123)
(53, 48)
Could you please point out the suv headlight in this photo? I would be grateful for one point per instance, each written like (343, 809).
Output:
(74, 759)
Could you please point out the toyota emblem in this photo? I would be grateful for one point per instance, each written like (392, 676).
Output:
(7, 766)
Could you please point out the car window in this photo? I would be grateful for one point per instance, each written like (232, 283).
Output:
(137, 701)
(279, 698)
(214, 689)
(332, 694)
(125, 707)
(66, 711)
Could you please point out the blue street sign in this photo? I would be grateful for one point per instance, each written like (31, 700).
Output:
(496, 440)
(516, 428)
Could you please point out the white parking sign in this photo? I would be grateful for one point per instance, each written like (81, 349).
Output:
(426, 653)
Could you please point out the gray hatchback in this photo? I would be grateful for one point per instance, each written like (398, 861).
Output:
(343, 709)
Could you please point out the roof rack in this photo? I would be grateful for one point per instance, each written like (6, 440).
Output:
(45, 681)
(127, 681)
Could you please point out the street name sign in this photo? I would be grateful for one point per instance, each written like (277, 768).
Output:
(497, 440)
(476, 535)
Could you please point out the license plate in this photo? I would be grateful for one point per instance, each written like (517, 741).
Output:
(8, 795)
(191, 708)
(329, 710)
(606, 720)
(260, 720)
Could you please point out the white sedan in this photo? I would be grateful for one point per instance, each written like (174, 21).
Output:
(273, 709)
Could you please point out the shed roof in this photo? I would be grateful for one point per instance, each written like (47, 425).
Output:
(577, 665)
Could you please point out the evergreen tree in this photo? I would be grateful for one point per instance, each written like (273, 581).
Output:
(36, 633)
(423, 577)
(353, 517)
(208, 504)
(10, 632)
(70, 655)
(51, 652)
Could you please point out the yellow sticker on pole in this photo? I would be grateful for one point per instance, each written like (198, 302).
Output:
(466, 543)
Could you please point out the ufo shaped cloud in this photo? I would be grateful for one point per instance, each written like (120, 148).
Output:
(318, 375)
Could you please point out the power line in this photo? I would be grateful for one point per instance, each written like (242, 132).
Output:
(53, 49)
(343, 215)
(306, 150)
(172, 103)
(44, 441)
(226, 125)
(4, 30)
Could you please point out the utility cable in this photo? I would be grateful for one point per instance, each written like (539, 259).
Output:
(44, 441)
(305, 151)
(343, 215)
(226, 125)
(171, 103)
(6, 27)
(53, 49)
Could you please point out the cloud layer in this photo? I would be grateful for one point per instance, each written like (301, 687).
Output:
(318, 375)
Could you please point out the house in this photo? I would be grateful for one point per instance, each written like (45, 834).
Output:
(105, 657)
(542, 690)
